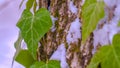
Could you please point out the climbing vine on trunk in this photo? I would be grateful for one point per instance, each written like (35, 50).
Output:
(64, 34)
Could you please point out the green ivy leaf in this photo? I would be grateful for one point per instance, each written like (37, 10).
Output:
(35, 6)
(17, 47)
(33, 27)
(107, 56)
(25, 58)
(92, 12)
(116, 40)
(29, 4)
(50, 64)
(17, 44)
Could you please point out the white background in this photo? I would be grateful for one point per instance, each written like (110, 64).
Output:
(9, 15)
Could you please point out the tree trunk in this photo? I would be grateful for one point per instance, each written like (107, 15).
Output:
(78, 55)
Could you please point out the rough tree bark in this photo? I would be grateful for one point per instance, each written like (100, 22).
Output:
(78, 55)
(74, 55)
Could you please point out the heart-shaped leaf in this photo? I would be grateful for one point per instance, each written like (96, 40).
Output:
(33, 27)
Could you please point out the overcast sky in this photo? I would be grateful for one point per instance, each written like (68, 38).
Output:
(9, 15)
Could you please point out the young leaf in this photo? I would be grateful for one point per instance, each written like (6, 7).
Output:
(92, 12)
(17, 47)
(29, 4)
(33, 27)
(25, 58)
(107, 56)
(34, 6)
(50, 64)
(17, 44)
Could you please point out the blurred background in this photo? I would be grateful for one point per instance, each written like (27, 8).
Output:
(9, 15)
